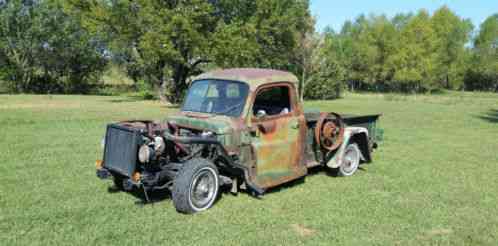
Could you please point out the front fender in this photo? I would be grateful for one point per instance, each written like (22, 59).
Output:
(356, 134)
(244, 171)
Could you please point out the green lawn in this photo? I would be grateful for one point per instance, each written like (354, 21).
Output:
(434, 180)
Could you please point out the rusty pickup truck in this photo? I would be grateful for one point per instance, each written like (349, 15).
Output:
(245, 129)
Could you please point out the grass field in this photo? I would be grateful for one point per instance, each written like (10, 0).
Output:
(434, 180)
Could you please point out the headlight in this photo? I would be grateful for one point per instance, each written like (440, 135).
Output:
(145, 153)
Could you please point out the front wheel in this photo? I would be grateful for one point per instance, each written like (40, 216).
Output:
(118, 183)
(350, 160)
(196, 186)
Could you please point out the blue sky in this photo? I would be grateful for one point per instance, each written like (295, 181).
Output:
(333, 13)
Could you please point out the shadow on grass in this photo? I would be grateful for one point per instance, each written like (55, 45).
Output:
(331, 172)
(158, 196)
(491, 116)
(153, 196)
(285, 186)
(311, 172)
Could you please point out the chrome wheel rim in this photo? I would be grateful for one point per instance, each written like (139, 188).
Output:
(203, 188)
(351, 160)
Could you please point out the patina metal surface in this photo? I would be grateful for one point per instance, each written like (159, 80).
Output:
(329, 131)
(279, 144)
(349, 132)
(231, 132)
(272, 148)
(254, 77)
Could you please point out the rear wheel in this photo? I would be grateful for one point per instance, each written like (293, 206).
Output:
(350, 160)
(196, 186)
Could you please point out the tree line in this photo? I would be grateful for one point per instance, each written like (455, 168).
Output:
(417, 52)
(64, 46)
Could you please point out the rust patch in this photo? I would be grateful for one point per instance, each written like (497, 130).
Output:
(279, 142)
(98, 164)
(328, 133)
(136, 176)
(254, 77)
(252, 73)
(267, 127)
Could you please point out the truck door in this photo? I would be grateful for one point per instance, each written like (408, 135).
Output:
(277, 124)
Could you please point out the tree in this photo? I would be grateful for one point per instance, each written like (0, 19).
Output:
(451, 33)
(413, 60)
(171, 40)
(327, 82)
(307, 56)
(363, 47)
(409, 52)
(384, 40)
(483, 73)
(44, 50)
(19, 43)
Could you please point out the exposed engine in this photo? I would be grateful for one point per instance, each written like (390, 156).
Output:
(161, 153)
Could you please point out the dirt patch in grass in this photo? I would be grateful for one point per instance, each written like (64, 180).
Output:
(435, 233)
(303, 231)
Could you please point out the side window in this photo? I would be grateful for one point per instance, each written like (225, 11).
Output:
(273, 101)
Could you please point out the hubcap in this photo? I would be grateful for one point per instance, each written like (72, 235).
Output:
(203, 188)
(351, 160)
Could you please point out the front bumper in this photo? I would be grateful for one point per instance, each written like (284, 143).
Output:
(128, 183)
(103, 173)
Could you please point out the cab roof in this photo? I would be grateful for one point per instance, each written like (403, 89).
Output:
(252, 76)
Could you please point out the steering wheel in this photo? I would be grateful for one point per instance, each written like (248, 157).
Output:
(231, 108)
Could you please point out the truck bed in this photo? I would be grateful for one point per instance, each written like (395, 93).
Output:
(359, 120)
(349, 119)
(367, 121)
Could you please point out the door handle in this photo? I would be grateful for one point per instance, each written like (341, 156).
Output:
(254, 132)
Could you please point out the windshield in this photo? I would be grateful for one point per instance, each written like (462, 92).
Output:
(216, 97)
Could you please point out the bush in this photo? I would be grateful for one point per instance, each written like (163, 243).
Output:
(145, 90)
(49, 50)
(3, 87)
(327, 83)
(481, 80)
(111, 90)
(323, 89)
